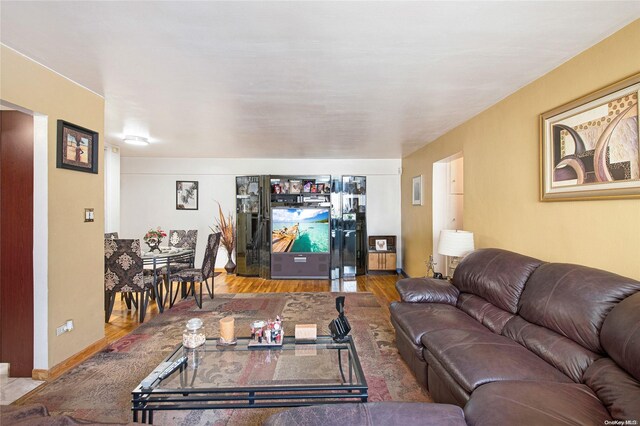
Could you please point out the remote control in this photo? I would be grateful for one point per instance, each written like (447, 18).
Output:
(173, 367)
(155, 374)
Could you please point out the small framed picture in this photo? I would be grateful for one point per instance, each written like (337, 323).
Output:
(307, 186)
(381, 245)
(296, 187)
(320, 188)
(77, 148)
(417, 191)
(186, 195)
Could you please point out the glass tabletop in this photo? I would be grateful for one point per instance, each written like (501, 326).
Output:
(166, 252)
(322, 364)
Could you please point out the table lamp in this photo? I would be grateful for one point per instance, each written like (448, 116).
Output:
(455, 244)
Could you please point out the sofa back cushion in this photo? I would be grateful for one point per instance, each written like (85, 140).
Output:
(498, 276)
(620, 335)
(617, 390)
(574, 300)
(559, 351)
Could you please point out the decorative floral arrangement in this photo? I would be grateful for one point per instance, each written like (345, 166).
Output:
(227, 228)
(154, 237)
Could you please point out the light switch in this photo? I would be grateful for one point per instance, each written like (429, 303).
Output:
(88, 215)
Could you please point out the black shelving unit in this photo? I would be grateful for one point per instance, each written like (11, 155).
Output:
(248, 222)
(345, 195)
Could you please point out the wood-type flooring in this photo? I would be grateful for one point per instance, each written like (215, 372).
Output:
(383, 288)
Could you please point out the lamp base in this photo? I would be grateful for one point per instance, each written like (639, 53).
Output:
(452, 265)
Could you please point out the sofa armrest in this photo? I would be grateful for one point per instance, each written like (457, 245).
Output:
(427, 290)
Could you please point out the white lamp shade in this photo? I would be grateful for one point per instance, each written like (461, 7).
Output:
(455, 243)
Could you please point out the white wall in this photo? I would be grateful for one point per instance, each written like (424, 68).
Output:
(111, 188)
(40, 243)
(147, 190)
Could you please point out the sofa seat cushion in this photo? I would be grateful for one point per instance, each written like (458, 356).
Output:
(370, 414)
(534, 403)
(476, 357)
(416, 319)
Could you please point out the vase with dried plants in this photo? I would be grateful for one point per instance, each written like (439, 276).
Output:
(227, 228)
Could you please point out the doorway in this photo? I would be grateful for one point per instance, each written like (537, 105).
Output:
(448, 202)
(16, 242)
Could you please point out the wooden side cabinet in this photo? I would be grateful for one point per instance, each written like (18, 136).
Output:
(382, 253)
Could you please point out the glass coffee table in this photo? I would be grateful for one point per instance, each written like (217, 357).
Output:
(294, 374)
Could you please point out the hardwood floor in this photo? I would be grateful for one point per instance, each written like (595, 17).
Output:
(383, 288)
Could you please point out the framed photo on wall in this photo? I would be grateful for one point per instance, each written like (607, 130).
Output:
(77, 148)
(186, 195)
(416, 191)
(589, 147)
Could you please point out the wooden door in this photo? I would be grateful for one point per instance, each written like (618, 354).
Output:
(16, 242)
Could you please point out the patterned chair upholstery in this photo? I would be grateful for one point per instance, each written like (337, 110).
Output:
(123, 273)
(182, 239)
(200, 275)
(111, 235)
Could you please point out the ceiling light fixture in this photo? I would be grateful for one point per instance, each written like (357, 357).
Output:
(136, 140)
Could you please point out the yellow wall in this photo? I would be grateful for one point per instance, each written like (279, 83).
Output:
(75, 277)
(501, 179)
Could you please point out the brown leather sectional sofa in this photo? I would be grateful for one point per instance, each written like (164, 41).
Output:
(514, 340)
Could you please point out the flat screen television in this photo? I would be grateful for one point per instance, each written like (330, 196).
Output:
(300, 230)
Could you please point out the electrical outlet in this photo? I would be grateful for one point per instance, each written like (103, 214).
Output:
(67, 326)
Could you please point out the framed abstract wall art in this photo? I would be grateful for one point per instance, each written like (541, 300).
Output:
(416, 191)
(77, 148)
(186, 195)
(589, 148)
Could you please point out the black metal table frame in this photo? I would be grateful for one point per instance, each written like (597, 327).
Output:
(146, 401)
(186, 256)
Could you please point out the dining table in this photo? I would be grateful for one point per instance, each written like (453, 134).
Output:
(160, 263)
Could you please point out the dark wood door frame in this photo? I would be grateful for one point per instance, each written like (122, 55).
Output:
(16, 242)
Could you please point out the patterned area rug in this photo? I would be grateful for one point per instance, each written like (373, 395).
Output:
(100, 387)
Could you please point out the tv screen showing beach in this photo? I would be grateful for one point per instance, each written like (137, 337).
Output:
(300, 230)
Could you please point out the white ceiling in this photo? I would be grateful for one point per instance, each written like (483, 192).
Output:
(301, 79)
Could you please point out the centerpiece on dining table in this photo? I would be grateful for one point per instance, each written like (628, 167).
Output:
(153, 238)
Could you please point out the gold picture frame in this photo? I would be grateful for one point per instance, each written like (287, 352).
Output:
(589, 148)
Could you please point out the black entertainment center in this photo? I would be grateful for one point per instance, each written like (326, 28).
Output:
(301, 227)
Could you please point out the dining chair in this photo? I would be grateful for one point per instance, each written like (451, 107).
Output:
(183, 239)
(111, 235)
(186, 240)
(123, 273)
(199, 275)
